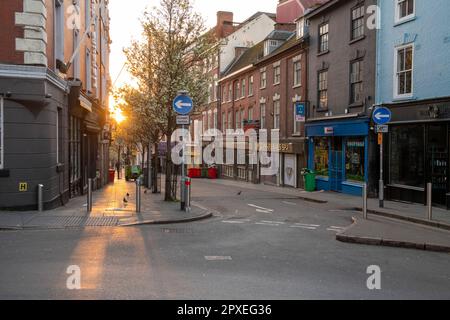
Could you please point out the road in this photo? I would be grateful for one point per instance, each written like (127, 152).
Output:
(259, 245)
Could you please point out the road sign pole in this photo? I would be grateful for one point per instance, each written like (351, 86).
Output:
(182, 192)
(381, 185)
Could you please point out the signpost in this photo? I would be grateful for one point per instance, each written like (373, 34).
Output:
(183, 106)
(381, 116)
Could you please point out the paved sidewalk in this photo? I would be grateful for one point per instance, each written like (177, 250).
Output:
(382, 231)
(399, 210)
(109, 209)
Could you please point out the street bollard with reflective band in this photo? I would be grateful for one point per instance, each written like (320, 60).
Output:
(138, 195)
(89, 196)
(187, 195)
(40, 197)
(365, 201)
(430, 201)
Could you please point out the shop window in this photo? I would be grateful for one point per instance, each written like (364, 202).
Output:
(355, 159)
(321, 155)
(407, 156)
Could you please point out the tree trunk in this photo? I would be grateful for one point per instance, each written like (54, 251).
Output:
(169, 173)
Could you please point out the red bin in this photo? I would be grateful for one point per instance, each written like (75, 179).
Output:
(112, 174)
(212, 173)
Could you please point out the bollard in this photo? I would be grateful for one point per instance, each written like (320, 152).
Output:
(365, 201)
(89, 196)
(187, 195)
(40, 197)
(138, 195)
(430, 201)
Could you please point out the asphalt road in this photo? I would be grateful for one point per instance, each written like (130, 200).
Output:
(259, 245)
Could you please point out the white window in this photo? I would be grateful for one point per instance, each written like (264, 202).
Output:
(277, 74)
(263, 115)
(88, 71)
(2, 133)
(215, 119)
(243, 88)
(250, 114)
(276, 114)
(263, 83)
(250, 86)
(404, 60)
(297, 71)
(300, 28)
(405, 9)
(59, 30)
(58, 136)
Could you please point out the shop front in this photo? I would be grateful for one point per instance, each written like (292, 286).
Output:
(338, 154)
(418, 153)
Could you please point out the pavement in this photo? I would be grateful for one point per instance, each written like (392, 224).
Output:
(109, 210)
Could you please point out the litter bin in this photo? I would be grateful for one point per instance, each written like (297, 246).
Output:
(204, 173)
(309, 177)
(212, 173)
(112, 174)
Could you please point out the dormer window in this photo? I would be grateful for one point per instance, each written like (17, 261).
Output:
(300, 28)
(270, 46)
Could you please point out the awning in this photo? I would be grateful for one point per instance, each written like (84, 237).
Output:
(85, 103)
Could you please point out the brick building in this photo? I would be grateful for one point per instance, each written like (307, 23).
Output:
(54, 84)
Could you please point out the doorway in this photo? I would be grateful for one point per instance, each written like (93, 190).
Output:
(336, 164)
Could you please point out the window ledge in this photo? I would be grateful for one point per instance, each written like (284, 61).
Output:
(356, 105)
(297, 135)
(297, 86)
(404, 98)
(404, 20)
(357, 39)
(276, 84)
(323, 53)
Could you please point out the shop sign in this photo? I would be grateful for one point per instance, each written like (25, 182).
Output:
(23, 187)
(329, 130)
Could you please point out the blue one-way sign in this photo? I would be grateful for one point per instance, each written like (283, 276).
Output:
(183, 104)
(382, 116)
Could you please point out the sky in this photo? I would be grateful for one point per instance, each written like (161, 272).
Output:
(125, 25)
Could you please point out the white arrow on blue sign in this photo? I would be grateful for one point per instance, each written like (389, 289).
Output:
(382, 116)
(183, 104)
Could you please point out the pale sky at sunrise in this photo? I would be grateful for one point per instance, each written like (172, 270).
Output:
(125, 24)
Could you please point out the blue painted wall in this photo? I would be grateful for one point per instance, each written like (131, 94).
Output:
(429, 30)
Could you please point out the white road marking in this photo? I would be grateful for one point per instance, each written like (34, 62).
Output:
(289, 203)
(274, 222)
(308, 225)
(267, 224)
(334, 227)
(235, 222)
(303, 227)
(335, 230)
(260, 208)
(218, 258)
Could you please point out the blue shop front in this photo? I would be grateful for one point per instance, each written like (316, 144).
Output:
(338, 154)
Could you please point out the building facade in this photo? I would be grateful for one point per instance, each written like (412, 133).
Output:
(54, 83)
(413, 70)
(341, 92)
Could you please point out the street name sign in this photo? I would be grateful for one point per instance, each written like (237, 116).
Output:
(183, 120)
(382, 116)
(382, 129)
(183, 104)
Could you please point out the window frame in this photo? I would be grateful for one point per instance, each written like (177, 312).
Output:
(408, 17)
(398, 95)
(352, 21)
(276, 75)
(251, 82)
(297, 80)
(277, 115)
(319, 90)
(243, 88)
(321, 36)
(262, 115)
(263, 78)
(361, 80)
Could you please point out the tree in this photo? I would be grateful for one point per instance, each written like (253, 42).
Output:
(169, 58)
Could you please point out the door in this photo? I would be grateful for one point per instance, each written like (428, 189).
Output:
(437, 153)
(336, 166)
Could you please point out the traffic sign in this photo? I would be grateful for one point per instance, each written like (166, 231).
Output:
(382, 116)
(382, 129)
(183, 120)
(183, 104)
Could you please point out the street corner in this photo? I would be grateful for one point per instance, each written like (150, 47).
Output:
(377, 231)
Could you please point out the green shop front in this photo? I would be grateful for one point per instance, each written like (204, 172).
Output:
(338, 154)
